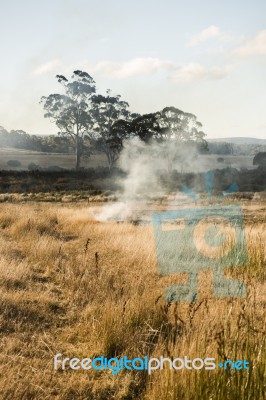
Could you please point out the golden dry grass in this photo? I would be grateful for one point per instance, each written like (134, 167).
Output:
(72, 285)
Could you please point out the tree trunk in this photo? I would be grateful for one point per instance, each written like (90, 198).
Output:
(109, 160)
(77, 153)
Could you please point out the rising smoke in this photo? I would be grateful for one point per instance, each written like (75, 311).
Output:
(144, 164)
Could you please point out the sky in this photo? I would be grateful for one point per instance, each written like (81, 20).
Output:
(205, 57)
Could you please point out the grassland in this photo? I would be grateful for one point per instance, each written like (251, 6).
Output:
(201, 164)
(73, 285)
(45, 160)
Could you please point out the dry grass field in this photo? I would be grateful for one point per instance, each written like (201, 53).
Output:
(76, 286)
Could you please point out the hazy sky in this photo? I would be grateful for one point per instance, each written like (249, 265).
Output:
(206, 57)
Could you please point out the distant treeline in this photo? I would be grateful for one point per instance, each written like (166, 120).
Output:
(62, 144)
(22, 140)
(226, 148)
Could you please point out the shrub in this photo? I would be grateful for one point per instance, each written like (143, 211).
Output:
(260, 159)
(34, 167)
(14, 163)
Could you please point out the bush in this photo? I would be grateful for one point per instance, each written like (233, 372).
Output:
(260, 159)
(14, 163)
(34, 167)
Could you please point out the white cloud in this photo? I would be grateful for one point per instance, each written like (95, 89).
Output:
(134, 67)
(208, 33)
(46, 67)
(195, 71)
(141, 67)
(151, 66)
(252, 47)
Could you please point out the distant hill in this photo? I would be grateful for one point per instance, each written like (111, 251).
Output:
(240, 140)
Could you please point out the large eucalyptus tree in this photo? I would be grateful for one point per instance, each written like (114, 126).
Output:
(72, 111)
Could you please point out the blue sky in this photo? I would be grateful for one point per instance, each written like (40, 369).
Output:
(205, 57)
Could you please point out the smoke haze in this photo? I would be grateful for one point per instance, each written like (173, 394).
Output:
(144, 164)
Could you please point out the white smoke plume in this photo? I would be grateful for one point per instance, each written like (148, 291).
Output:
(143, 164)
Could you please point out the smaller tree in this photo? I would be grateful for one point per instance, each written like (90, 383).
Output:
(72, 111)
(181, 135)
(180, 126)
(111, 126)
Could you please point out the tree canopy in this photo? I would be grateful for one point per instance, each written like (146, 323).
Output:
(103, 122)
(110, 114)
